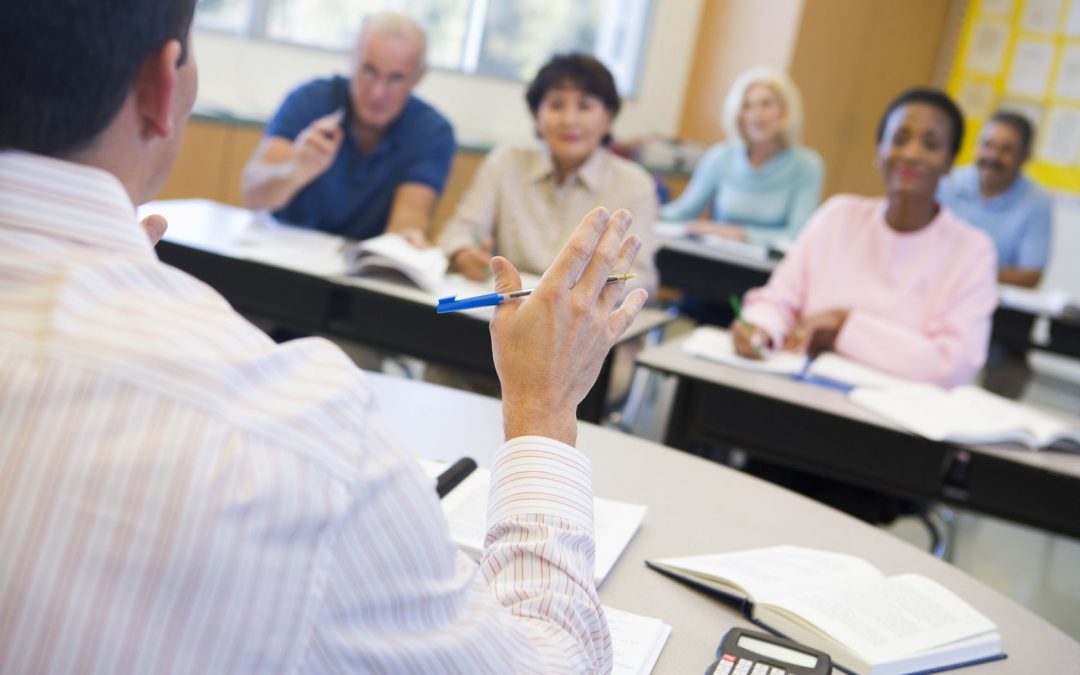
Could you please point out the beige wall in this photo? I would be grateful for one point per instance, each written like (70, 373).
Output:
(249, 78)
(732, 36)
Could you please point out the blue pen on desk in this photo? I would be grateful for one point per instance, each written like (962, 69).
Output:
(451, 303)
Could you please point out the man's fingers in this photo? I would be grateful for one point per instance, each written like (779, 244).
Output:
(606, 255)
(507, 278)
(155, 226)
(621, 318)
(577, 253)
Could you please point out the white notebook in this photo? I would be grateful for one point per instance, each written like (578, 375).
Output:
(466, 510)
(716, 344)
(392, 254)
(636, 641)
(966, 414)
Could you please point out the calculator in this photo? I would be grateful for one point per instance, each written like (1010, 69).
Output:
(745, 652)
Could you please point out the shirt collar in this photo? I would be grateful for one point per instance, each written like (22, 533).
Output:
(970, 182)
(588, 174)
(66, 200)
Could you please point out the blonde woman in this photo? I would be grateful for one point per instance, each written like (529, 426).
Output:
(760, 184)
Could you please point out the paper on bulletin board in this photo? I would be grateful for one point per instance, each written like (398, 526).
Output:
(1068, 77)
(1030, 72)
(1041, 16)
(1032, 111)
(1061, 137)
(986, 51)
(1072, 22)
(976, 99)
(1000, 8)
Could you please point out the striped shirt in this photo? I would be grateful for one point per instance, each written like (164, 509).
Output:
(178, 494)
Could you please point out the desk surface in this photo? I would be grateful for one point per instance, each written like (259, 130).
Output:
(692, 510)
(831, 436)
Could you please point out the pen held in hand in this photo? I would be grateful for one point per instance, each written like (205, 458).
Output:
(451, 303)
(755, 338)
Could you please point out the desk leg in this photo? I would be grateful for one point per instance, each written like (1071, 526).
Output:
(681, 427)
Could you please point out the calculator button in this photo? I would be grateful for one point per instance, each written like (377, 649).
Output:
(777, 671)
(724, 667)
(760, 669)
(743, 667)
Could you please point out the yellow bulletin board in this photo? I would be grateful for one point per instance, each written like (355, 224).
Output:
(1024, 55)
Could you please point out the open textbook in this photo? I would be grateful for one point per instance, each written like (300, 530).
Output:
(869, 623)
(391, 254)
(966, 414)
(716, 344)
(466, 511)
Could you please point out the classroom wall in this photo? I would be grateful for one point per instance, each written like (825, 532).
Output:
(249, 78)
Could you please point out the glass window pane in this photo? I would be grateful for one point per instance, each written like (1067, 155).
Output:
(333, 24)
(520, 36)
(228, 15)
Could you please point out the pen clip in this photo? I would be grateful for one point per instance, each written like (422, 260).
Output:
(451, 303)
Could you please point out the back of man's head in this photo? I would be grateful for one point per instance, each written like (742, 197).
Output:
(66, 66)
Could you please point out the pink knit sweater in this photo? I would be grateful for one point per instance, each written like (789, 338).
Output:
(920, 302)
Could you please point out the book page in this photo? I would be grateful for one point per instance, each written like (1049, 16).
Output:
(426, 267)
(887, 619)
(715, 344)
(1043, 428)
(777, 571)
(636, 641)
(840, 369)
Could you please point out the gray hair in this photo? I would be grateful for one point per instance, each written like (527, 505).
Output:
(784, 88)
(395, 24)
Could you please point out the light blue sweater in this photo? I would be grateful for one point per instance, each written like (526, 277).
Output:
(772, 201)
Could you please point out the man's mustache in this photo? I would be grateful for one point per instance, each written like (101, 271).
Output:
(990, 164)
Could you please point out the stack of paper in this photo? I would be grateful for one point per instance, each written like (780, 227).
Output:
(636, 640)
(466, 510)
(393, 253)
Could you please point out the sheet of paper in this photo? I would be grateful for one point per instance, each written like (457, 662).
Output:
(1041, 16)
(1060, 143)
(986, 50)
(1068, 75)
(976, 99)
(636, 641)
(997, 8)
(1030, 71)
(1072, 22)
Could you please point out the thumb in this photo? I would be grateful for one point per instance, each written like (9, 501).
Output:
(507, 278)
(155, 226)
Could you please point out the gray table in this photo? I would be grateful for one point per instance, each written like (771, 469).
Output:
(821, 432)
(696, 506)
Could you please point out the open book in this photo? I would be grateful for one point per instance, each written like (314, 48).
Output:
(716, 344)
(867, 622)
(966, 414)
(466, 510)
(391, 255)
(681, 230)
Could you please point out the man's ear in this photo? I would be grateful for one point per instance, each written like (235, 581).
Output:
(420, 75)
(155, 88)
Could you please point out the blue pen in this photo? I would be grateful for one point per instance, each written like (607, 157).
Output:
(451, 303)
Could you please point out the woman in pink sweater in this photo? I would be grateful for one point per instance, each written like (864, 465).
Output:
(899, 283)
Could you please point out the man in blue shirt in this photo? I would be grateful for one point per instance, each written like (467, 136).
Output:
(993, 195)
(358, 156)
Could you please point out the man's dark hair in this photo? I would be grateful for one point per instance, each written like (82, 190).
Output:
(578, 70)
(67, 65)
(1019, 123)
(934, 98)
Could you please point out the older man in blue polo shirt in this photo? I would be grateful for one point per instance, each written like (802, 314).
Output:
(358, 156)
(994, 196)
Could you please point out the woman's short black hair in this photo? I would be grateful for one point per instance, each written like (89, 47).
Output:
(934, 98)
(67, 65)
(578, 70)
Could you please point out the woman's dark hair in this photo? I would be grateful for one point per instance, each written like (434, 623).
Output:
(934, 98)
(1019, 123)
(578, 70)
(67, 65)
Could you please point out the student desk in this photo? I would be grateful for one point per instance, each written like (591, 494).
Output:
(696, 506)
(713, 274)
(819, 431)
(299, 282)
